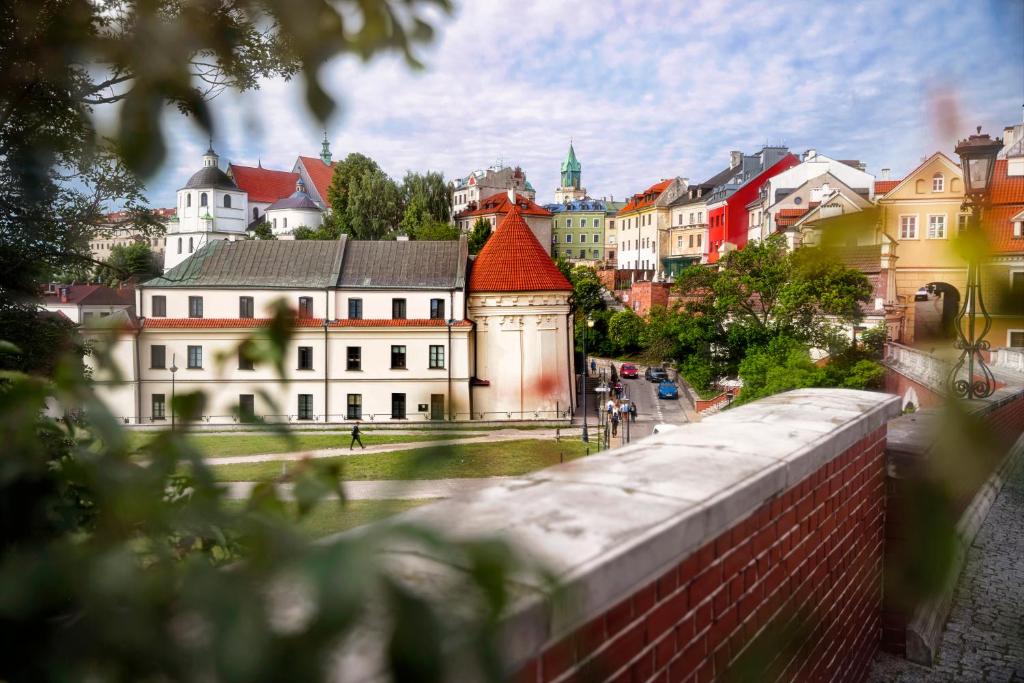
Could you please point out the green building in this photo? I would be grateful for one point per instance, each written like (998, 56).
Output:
(578, 228)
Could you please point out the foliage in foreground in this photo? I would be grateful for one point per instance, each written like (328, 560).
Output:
(116, 568)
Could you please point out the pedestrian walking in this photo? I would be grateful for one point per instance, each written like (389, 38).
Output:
(593, 366)
(615, 420)
(609, 406)
(632, 411)
(356, 437)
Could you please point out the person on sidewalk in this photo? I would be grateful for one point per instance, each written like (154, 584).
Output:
(632, 411)
(593, 366)
(356, 437)
(615, 421)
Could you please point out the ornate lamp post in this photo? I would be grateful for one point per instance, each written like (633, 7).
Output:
(977, 159)
(173, 369)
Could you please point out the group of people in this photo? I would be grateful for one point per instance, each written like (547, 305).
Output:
(617, 411)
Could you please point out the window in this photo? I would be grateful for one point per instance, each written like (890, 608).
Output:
(908, 227)
(937, 227)
(437, 309)
(188, 200)
(191, 245)
(1017, 283)
(255, 213)
(195, 358)
(203, 199)
(244, 362)
(179, 245)
(568, 239)
(158, 357)
(305, 358)
(354, 358)
(355, 407)
(195, 307)
(436, 357)
(275, 223)
(679, 242)
(398, 357)
(596, 224)
(1015, 339)
(159, 306)
(284, 222)
(245, 307)
(227, 201)
(355, 309)
(698, 239)
(397, 406)
(611, 254)
(691, 241)
(597, 254)
(597, 238)
(961, 223)
(568, 222)
(305, 307)
(398, 309)
(583, 253)
(246, 407)
(583, 238)
(305, 406)
(1018, 229)
(159, 407)
(938, 183)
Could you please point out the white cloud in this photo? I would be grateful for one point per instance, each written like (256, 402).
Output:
(646, 90)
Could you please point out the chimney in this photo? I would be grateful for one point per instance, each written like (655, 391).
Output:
(63, 295)
(885, 174)
(512, 195)
(810, 154)
(735, 158)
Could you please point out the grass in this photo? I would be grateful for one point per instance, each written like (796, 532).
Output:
(224, 445)
(463, 461)
(330, 518)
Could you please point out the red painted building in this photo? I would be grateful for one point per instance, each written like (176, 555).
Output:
(727, 218)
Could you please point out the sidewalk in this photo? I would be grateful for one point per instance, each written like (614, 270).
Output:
(385, 490)
(984, 637)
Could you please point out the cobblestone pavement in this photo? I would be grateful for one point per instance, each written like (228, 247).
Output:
(984, 637)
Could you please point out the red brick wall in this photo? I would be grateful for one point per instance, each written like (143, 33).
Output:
(791, 592)
(647, 294)
(702, 404)
(898, 384)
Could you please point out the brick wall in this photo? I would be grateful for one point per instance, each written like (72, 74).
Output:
(791, 591)
(646, 294)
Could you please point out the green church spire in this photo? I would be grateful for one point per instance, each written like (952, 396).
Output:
(571, 169)
(325, 150)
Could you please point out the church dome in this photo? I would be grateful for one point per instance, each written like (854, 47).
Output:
(210, 177)
(298, 200)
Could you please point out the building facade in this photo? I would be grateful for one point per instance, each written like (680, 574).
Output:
(381, 331)
(119, 229)
(468, 193)
(1003, 279)
(494, 208)
(643, 226)
(578, 229)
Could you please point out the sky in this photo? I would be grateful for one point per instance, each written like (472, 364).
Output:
(645, 90)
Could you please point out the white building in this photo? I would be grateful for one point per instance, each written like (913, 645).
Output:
(383, 331)
(468, 192)
(295, 211)
(85, 304)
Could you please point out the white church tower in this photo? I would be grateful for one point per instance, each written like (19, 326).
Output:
(210, 207)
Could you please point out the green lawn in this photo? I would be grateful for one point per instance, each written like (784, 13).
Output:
(329, 517)
(223, 445)
(443, 462)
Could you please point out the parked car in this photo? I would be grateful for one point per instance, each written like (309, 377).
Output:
(668, 389)
(628, 371)
(655, 374)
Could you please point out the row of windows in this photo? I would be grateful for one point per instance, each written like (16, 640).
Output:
(698, 214)
(582, 223)
(247, 406)
(568, 253)
(936, 226)
(693, 242)
(107, 246)
(583, 238)
(639, 221)
(304, 359)
(246, 307)
(204, 200)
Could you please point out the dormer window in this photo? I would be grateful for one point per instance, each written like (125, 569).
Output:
(938, 183)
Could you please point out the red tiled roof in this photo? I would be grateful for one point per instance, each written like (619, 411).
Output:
(252, 323)
(644, 199)
(121, 216)
(500, 204)
(792, 212)
(320, 173)
(884, 186)
(264, 184)
(93, 295)
(1007, 199)
(513, 260)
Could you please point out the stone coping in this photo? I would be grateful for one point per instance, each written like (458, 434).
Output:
(609, 524)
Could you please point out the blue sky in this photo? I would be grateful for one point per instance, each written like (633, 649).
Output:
(646, 90)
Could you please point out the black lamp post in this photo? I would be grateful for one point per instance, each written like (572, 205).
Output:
(977, 159)
(173, 369)
(590, 324)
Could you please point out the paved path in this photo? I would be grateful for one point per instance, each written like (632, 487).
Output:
(498, 435)
(386, 490)
(984, 638)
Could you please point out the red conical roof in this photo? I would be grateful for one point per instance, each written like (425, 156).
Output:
(514, 261)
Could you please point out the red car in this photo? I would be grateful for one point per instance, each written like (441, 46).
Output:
(628, 371)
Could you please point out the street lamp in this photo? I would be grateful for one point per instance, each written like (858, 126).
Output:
(590, 324)
(173, 369)
(977, 159)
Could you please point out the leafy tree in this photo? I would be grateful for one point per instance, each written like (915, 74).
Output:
(346, 173)
(129, 261)
(430, 192)
(784, 364)
(586, 289)
(263, 231)
(479, 235)
(436, 231)
(373, 208)
(625, 329)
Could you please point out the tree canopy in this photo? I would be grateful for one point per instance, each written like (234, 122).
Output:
(479, 234)
(126, 262)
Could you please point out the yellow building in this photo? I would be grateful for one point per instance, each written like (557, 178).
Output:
(643, 227)
(922, 214)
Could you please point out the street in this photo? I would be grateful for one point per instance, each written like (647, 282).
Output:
(651, 410)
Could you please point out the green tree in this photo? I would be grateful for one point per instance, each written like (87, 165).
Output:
(346, 173)
(373, 208)
(625, 329)
(436, 231)
(129, 261)
(479, 235)
(430, 191)
(586, 289)
(263, 231)
(784, 364)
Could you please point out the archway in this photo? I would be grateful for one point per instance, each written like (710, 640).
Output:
(935, 307)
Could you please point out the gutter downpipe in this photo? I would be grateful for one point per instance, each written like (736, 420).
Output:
(327, 356)
(138, 362)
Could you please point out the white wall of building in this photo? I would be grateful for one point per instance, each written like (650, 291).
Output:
(284, 221)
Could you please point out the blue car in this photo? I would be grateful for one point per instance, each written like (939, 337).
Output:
(668, 389)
